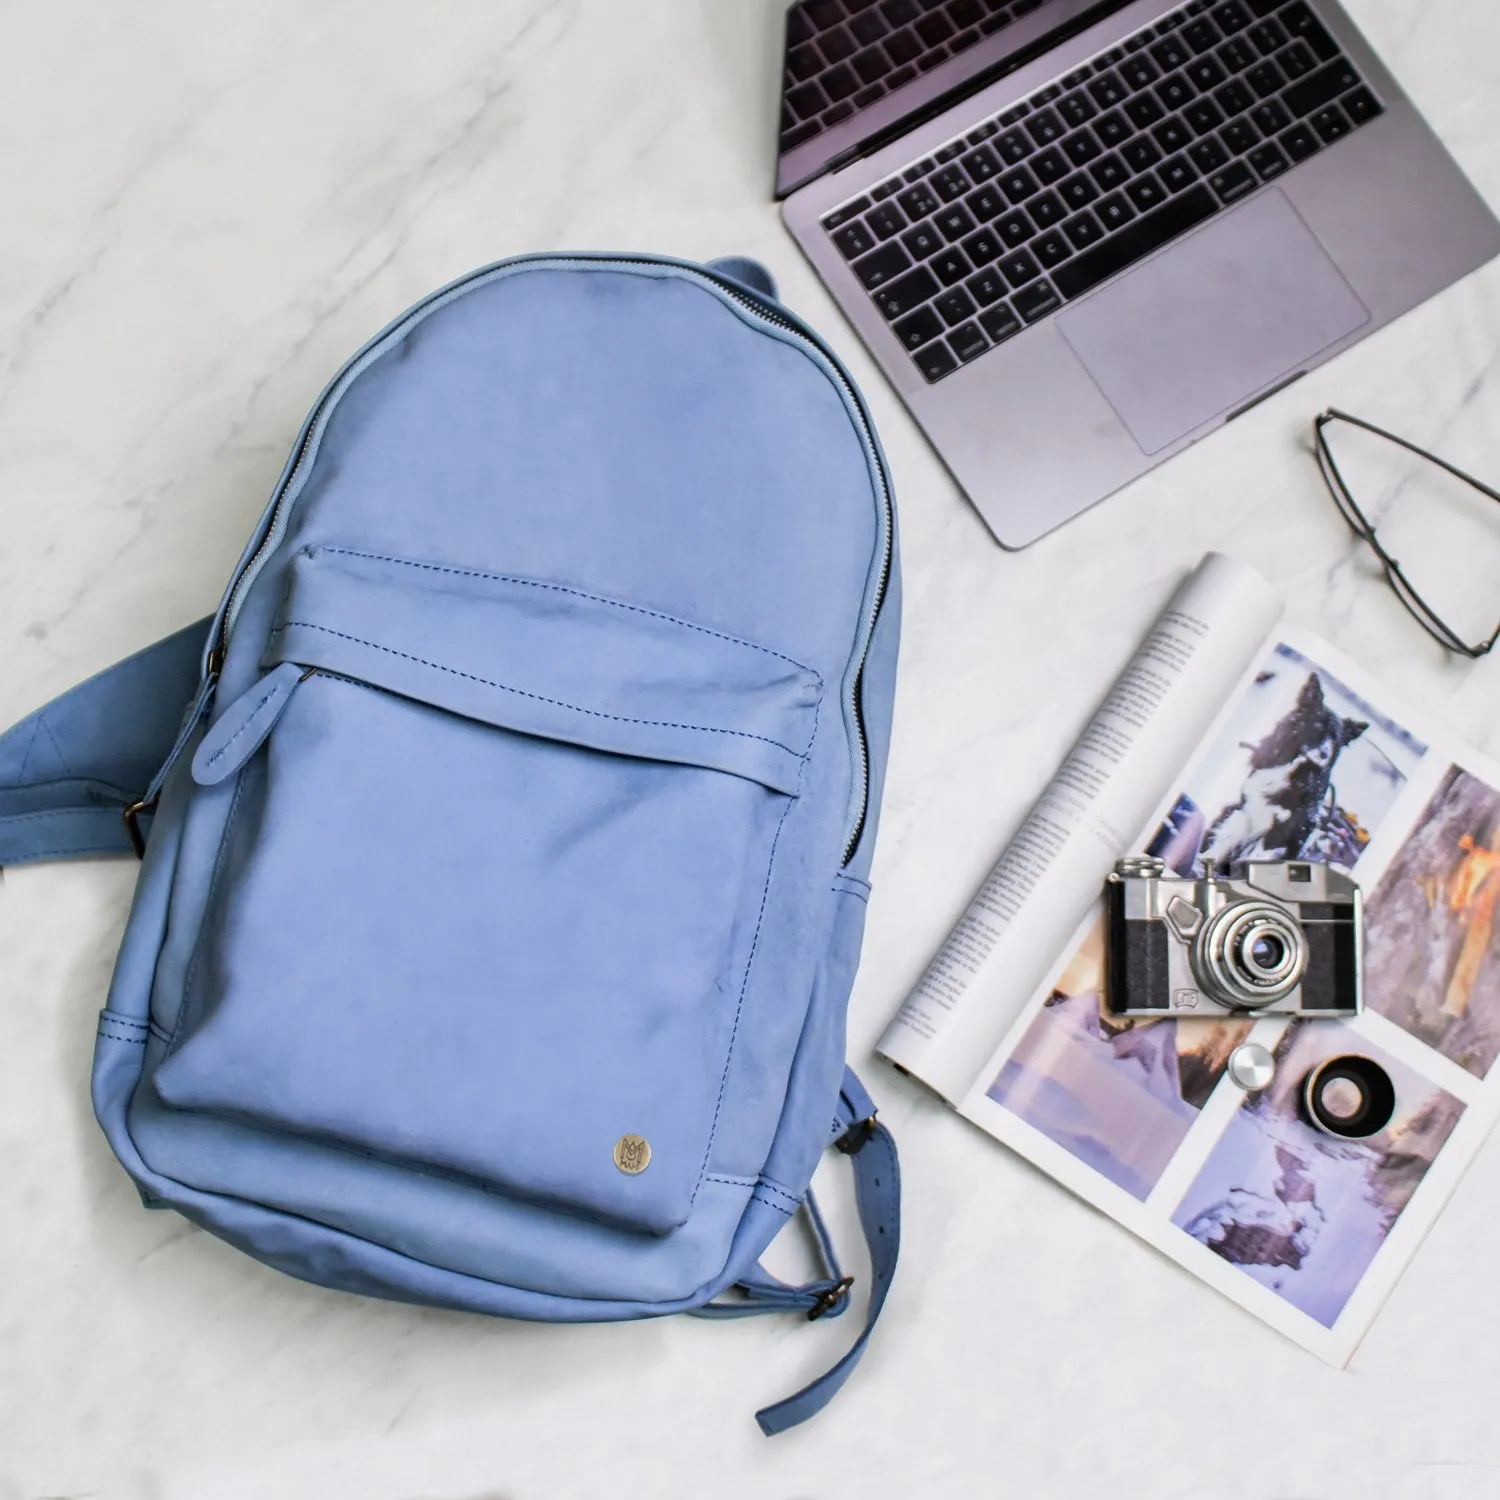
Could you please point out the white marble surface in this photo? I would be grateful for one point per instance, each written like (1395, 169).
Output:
(206, 206)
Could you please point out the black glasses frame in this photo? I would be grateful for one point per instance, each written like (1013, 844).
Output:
(1363, 527)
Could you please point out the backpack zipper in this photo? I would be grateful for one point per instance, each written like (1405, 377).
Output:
(858, 810)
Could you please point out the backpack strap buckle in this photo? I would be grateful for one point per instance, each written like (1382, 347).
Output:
(830, 1299)
(133, 815)
(854, 1139)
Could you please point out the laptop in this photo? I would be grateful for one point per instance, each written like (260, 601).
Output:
(1078, 236)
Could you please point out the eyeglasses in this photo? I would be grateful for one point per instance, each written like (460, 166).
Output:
(1363, 527)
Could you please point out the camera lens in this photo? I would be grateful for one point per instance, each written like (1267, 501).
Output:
(1351, 1097)
(1267, 952)
(1249, 954)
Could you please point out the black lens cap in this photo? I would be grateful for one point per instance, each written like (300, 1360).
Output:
(1351, 1097)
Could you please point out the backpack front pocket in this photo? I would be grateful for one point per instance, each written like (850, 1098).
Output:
(492, 885)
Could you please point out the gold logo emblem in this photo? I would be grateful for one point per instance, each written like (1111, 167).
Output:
(632, 1154)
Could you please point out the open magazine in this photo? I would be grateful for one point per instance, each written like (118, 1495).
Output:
(1230, 737)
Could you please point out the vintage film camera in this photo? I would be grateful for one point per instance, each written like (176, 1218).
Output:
(1280, 938)
(1272, 938)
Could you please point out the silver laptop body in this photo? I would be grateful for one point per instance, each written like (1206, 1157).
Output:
(1072, 254)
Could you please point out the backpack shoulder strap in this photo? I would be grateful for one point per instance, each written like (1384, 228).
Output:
(69, 771)
(877, 1190)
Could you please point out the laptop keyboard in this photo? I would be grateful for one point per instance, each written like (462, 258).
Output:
(843, 55)
(1100, 169)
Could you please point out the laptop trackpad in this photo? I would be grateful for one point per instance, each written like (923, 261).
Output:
(1211, 321)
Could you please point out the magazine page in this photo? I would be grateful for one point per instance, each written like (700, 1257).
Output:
(1052, 870)
(1309, 760)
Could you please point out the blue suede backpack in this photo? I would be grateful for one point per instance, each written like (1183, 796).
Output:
(505, 877)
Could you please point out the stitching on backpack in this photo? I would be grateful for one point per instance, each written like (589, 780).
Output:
(785, 1212)
(105, 1031)
(213, 889)
(739, 1007)
(223, 749)
(561, 588)
(57, 812)
(770, 1187)
(42, 724)
(541, 697)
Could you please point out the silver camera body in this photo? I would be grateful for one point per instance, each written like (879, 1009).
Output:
(1280, 938)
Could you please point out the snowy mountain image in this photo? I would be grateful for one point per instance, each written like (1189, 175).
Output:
(1301, 1212)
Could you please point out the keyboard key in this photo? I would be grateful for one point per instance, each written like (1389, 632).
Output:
(1268, 162)
(1083, 230)
(1203, 115)
(1176, 173)
(837, 44)
(1170, 53)
(838, 83)
(1269, 38)
(1361, 105)
(1208, 154)
(983, 247)
(854, 240)
(1141, 153)
(910, 292)
(1270, 117)
(868, 27)
(1107, 91)
(919, 328)
(1146, 192)
(1047, 210)
(950, 183)
(1015, 228)
(967, 342)
(950, 265)
(935, 28)
(1296, 61)
(922, 241)
(1114, 212)
(1077, 108)
(1014, 146)
(1237, 55)
(807, 100)
(981, 165)
(886, 220)
(823, 13)
(1174, 135)
(1045, 126)
(1019, 185)
(1109, 172)
(1079, 191)
(936, 360)
(918, 201)
(1174, 91)
(1112, 129)
(1266, 79)
(903, 47)
(1235, 97)
(1000, 323)
(1051, 249)
(1081, 148)
(899, 12)
(1020, 268)
(1231, 17)
(1233, 182)
(1301, 22)
(1330, 123)
(1035, 302)
(955, 222)
(1144, 111)
(844, 214)
(1321, 88)
(1139, 72)
(986, 203)
(1138, 240)
(1050, 166)
(1202, 35)
(837, 113)
(955, 306)
(1239, 136)
(1299, 143)
(1205, 74)
(988, 286)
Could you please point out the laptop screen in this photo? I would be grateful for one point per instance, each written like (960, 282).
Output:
(861, 72)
